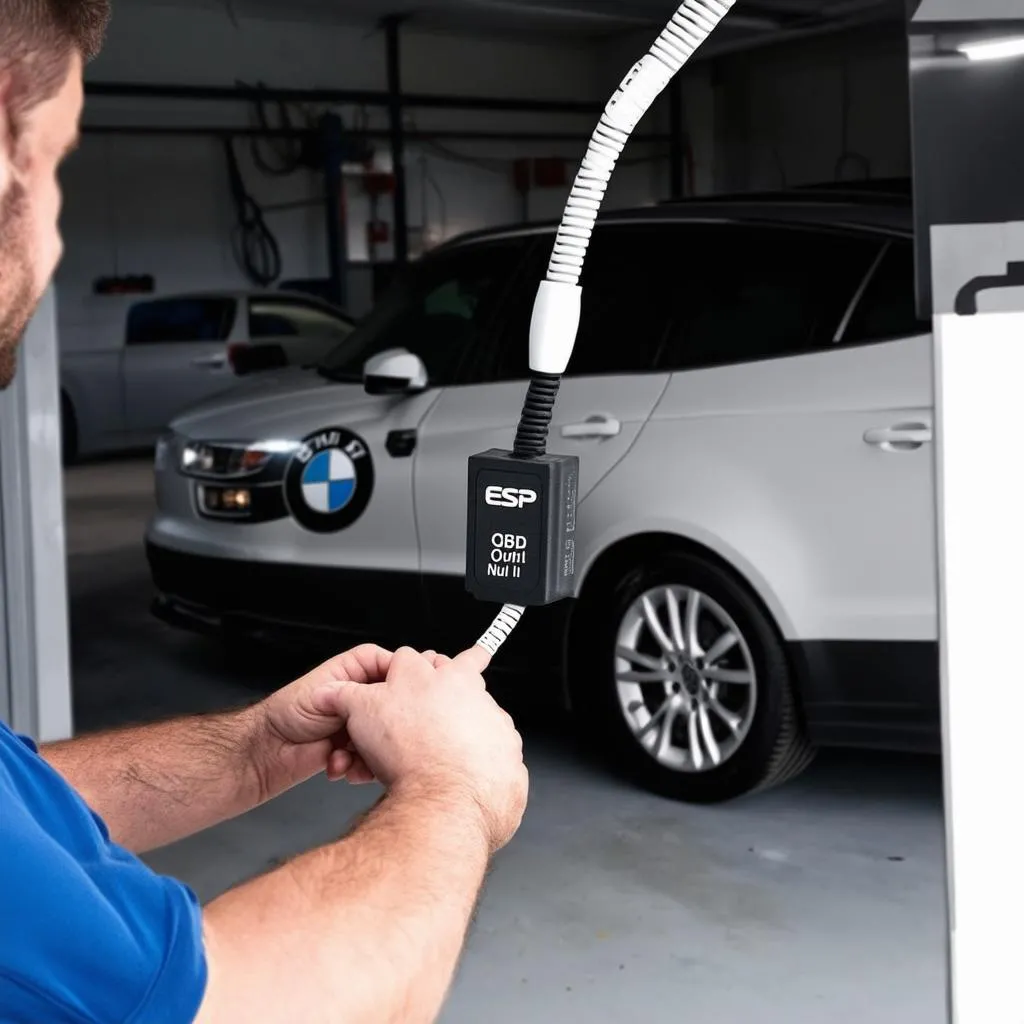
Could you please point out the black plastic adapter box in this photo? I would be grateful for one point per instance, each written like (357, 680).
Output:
(522, 528)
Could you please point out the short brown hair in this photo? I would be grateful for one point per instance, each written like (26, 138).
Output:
(37, 39)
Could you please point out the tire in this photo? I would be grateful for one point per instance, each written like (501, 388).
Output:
(68, 431)
(768, 746)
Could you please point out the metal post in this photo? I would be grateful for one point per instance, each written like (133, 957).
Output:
(677, 141)
(392, 29)
(34, 625)
(331, 139)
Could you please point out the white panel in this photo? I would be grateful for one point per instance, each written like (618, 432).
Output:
(980, 366)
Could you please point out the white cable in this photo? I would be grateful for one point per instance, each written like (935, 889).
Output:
(501, 628)
(556, 312)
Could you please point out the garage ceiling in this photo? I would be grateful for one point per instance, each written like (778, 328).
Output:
(750, 23)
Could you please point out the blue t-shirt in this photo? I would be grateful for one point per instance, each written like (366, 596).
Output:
(88, 934)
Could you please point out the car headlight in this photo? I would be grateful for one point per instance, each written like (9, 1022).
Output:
(226, 460)
(196, 458)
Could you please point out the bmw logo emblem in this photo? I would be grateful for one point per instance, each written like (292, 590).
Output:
(329, 480)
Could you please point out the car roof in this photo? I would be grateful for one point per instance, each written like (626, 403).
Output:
(827, 208)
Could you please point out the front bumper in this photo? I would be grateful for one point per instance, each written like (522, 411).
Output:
(310, 604)
(322, 609)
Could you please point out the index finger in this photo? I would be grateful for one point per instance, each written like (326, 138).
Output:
(476, 659)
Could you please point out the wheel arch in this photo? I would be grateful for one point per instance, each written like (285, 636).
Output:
(625, 551)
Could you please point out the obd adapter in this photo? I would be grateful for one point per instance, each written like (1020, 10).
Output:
(522, 528)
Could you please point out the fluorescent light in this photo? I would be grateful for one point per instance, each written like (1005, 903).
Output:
(996, 49)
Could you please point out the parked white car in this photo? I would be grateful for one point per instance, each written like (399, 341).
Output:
(119, 391)
(751, 400)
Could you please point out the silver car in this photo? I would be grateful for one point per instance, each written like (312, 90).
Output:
(119, 390)
(751, 401)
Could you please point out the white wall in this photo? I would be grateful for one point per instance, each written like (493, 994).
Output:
(161, 205)
(778, 115)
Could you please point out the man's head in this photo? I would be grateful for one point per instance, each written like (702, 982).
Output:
(43, 45)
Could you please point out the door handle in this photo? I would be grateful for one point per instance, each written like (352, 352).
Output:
(210, 362)
(904, 437)
(400, 444)
(593, 428)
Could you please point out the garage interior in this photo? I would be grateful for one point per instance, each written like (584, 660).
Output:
(823, 899)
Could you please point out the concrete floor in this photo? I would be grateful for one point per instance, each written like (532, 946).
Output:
(820, 901)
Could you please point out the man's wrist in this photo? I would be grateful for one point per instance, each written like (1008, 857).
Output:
(257, 757)
(452, 801)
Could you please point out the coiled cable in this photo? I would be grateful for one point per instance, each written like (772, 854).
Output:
(256, 249)
(556, 315)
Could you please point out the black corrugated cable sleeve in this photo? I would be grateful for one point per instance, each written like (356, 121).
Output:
(532, 436)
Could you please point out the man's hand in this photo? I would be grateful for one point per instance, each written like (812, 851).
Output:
(155, 784)
(431, 732)
(373, 924)
(300, 734)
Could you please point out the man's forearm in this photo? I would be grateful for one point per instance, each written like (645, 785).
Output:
(375, 923)
(154, 784)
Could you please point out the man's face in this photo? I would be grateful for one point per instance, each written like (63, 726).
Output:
(30, 198)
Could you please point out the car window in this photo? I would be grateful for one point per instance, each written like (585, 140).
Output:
(888, 308)
(282, 319)
(180, 319)
(759, 292)
(629, 286)
(440, 309)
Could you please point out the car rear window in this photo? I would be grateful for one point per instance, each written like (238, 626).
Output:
(888, 308)
(754, 292)
(181, 319)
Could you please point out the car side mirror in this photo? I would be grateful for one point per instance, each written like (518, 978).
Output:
(394, 372)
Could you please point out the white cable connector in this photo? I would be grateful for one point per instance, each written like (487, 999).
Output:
(555, 324)
(556, 312)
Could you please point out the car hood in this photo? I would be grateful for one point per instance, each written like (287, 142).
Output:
(289, 404)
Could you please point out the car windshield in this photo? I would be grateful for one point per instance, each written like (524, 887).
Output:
(435, 310)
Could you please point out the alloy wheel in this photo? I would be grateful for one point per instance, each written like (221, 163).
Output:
(686, 681)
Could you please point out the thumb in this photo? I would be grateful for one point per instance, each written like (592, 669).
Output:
(336, 699)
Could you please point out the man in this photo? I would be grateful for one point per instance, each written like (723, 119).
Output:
(365, 930)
